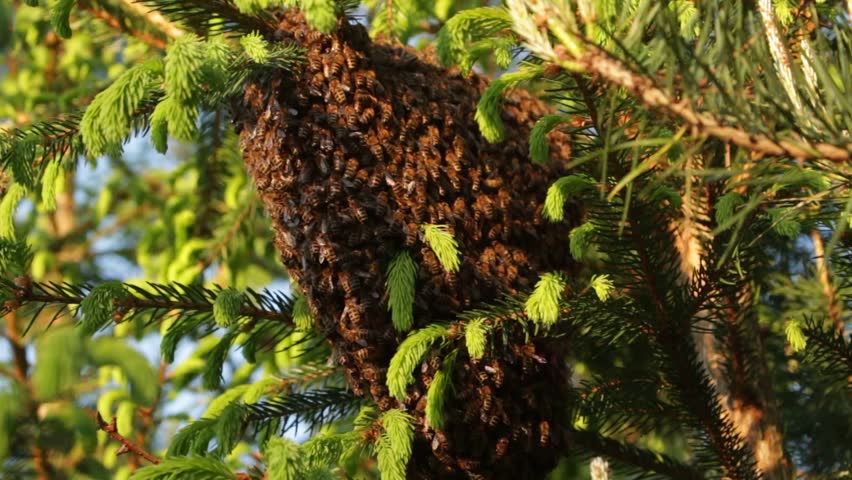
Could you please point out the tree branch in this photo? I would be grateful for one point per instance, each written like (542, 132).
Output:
(126, 444)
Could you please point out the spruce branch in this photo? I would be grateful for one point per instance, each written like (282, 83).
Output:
(154, 18)
(127, 445)
(203, 16)
(116, 21)
(599, 62)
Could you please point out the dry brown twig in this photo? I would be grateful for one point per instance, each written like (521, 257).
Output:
(127, 445)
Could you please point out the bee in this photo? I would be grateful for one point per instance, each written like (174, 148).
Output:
(351, 169)
(367, 115)
(304, 131)
(455, 181)
(354, 311)
(376, 178)
(377, 390)
(485, 395)
(453, 160)
(362, 354)
(458, 146)
(370, 79)
(337, 91)
(431, 262)
(411, 237)
(386, 112)
(483, 376)
(501, 447)
(370, 374)
(468, 464)
(338, 161)
(334, 66)
(384, 403)
(358, 211)
(442, 457)
(474, 176)
(350, 58)
(496, 232)
(498, 375)
(377, 151)
(314, 64)
(493, 420)
(544, 430)
(493, 182)
(361, 178)
(314, 36)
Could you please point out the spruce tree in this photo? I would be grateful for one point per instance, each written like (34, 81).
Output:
(406, 239)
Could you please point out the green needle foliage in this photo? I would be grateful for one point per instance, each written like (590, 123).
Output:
(402, 272)
(441, 240)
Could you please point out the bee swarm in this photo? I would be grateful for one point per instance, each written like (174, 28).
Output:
(352, 153)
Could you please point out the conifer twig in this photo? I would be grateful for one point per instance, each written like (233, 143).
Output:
(127, 445)
(117, 24)
(154, 18)
(599, 62)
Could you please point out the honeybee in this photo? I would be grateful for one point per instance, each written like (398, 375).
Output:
(544, 430)
(442, 456)
(314, 64)
(485, 395)
(314, 35)
(337, 91)
(468, 464)
(367, 115)
(387, 112)
(411, 238)
(350, 57)
(334, 66)
(430, 260)
(377, 390)
(493, 420)
(362, 353)
(358, 211)
(483, 376)
(351, 169)
(496, 232)
(361, 178)
(493, 182)
(501, 447)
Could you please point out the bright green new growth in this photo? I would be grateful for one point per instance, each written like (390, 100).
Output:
(603, 286)
(539, 148)
(140, 374)
(283, 459)
(581, 239)
(109, 117)
(409, 354)
(320, 14)
(59, 17)
(393, 448)
(186, 468)
(439, 389)
(60, 354)
(783, 224)
(100, 304)
(489, 107)
(8, 205)
(52, 182)
(401, 276)
(561, 191)
(441, 241)
(475, 338)
(475, 24)
(255, 47)
(15, 258)
(726, 205)
(226, 308)
(795, 336)
(302, 316)
(542, 306)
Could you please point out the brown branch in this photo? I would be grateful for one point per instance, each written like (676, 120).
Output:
(833, 306)
(117, 24)
(154, 18)
(601, 63)
(44, 471)
(126, 444)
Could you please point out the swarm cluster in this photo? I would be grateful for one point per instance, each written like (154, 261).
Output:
(352, 154)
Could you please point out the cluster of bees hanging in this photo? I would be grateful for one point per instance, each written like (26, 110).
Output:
(351, 154)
